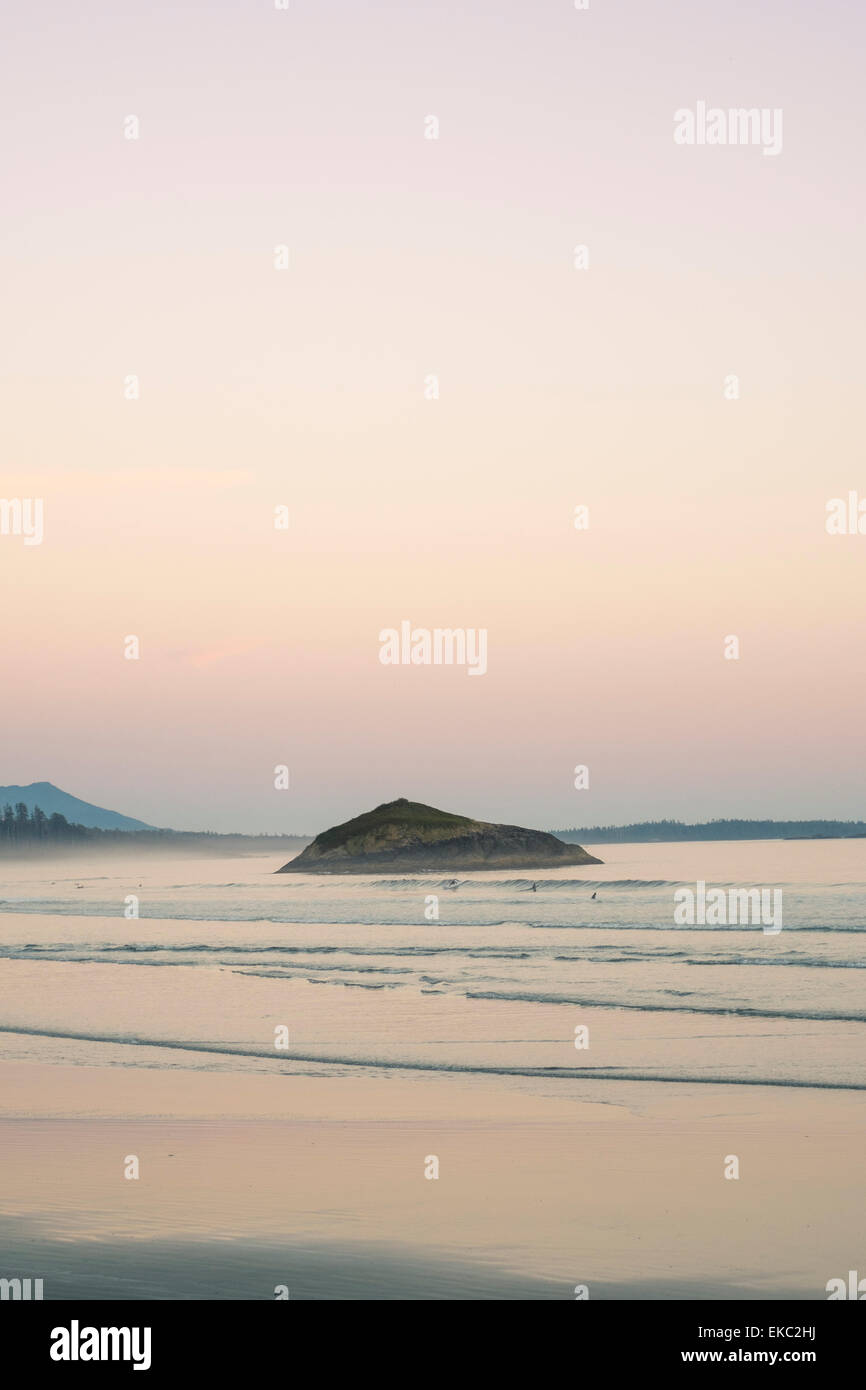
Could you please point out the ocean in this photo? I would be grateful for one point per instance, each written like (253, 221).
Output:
(320, 1088)
(223, 954)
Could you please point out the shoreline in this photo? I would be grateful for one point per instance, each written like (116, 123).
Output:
(318, 1183)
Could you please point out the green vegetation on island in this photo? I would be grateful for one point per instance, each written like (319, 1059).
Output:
(406, 837)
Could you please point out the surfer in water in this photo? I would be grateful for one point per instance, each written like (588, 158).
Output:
(534, 888)
(595, 895)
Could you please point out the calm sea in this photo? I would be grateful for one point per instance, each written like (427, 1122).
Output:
(360, 972)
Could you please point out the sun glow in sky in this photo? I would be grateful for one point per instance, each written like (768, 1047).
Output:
(558, 387)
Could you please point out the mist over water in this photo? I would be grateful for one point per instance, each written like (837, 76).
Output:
(221, 952)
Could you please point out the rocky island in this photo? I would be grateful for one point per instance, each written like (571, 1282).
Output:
(406, 837)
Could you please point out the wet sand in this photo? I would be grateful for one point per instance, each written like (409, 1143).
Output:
(318, 1184)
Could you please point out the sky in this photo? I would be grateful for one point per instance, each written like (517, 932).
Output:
(607, 387)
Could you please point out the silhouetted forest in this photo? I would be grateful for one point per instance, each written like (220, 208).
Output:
(18, 826)
(32, 831)
(25, 829)
(716, 830)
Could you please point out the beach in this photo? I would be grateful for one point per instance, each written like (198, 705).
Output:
(318, 1184)
(297, 1163)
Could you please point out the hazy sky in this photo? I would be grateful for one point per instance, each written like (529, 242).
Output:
(559, 387)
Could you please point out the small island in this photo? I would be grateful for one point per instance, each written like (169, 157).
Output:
(405, 837)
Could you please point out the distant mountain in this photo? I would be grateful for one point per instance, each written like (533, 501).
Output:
(404, 836)
(51, 799)
(669, 830)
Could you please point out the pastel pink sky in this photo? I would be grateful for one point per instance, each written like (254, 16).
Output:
(558, 387)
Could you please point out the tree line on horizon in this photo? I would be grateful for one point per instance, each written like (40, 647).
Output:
(716, 830)
(19, 825)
